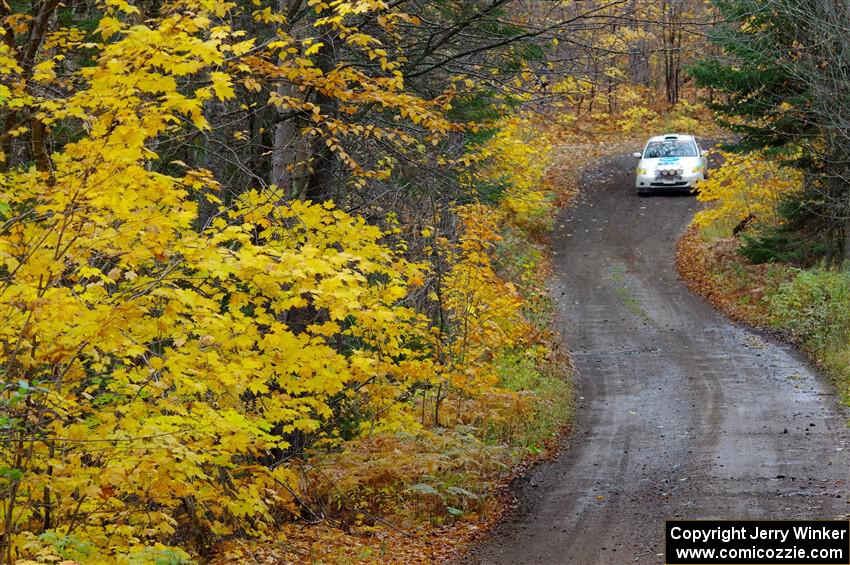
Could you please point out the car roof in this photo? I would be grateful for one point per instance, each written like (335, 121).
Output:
(672, 137)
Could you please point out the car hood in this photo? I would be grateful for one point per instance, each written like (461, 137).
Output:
(671, 163)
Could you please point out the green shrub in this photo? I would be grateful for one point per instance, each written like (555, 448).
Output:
(552, 394)
(815, 307)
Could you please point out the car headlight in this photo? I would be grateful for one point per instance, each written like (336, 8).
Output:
(641, 171)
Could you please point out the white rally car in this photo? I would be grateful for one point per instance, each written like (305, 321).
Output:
(670, 162)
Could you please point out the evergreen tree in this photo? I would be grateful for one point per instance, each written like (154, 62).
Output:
(763, 97)
(780, 73)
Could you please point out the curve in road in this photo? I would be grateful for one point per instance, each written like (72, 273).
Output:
(682, 414)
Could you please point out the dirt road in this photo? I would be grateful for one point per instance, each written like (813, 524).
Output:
(681, 413)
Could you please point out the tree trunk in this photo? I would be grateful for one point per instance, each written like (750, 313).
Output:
(290, 150)
(323, 162)
(845, 248)
(672, 37)
(290, 154)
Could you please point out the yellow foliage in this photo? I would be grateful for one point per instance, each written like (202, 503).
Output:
(485, 397)
(484, 309)
(638, 119)
(517, 157)
(152, 367)
(158, 373)
(746, 185)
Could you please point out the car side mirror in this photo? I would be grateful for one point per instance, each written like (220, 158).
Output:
(636, 155)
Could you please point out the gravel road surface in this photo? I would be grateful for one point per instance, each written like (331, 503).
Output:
(682, 414)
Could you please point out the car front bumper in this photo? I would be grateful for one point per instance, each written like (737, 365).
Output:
(649, 183)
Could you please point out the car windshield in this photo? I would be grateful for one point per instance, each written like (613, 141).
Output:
(670, 148)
